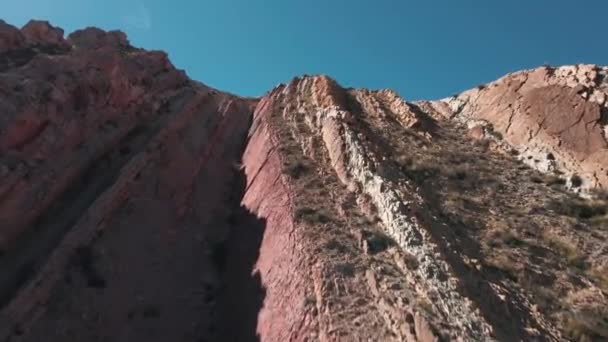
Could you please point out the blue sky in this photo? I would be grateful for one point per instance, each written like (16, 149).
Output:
(423, 49)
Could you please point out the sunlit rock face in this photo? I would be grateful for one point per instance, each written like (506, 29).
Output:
(139, 205)
(555, 117)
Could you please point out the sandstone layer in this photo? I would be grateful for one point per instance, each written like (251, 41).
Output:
(139, 205)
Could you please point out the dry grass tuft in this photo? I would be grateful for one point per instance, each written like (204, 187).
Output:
(580, 208)
(419, 170)
(576, 181)
(502, 235)
(504, 264)
(588, 320)
(312, 216)
(566, 249)
(296, 169)
(600, 275)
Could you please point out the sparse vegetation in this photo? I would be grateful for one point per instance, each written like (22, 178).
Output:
(536, 179)
(482, 145)
(576, 181)
(502, 235)
(600, 194)
(335, 244)
(420, 170)
(600, 221)
(376, 241)
(296, 169)
(311, 215)
(410, 261)
(345, 269)
(580, 208)
(504, 264)
(458, 174)
(547, 179)
(600, 275)
(310, 300)
(553, 180)
(588, 324)
(499, 209)
(496, 134)
(543, 296)
(425, 305)
(566, 249)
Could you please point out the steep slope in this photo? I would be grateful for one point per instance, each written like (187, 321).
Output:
(473, 231)
(329, 272)
(136, 204)
(555, 118)
(117, 172)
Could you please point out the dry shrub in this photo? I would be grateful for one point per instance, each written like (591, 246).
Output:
(312, 215)
(565, 248)
(505, 265)
(500, 234)
(600, 275)
(296, 169)
(588, 319)
(580, 208)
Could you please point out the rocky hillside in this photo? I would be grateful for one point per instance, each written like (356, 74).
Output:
(554, 117)
(139, 205)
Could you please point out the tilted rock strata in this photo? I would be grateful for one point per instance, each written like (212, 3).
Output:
(101, 146)
(399, 206)
(136, 204)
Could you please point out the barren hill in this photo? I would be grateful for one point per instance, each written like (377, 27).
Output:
(139, 205)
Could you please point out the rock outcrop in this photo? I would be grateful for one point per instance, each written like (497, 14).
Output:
(555, 118)
(99, 140)
(139, 205)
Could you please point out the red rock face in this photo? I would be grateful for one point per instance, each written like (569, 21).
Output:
(281, 260)
(41, 32)
(556, 118)
(139, 205)
(10, 37)
(99, 138)
(68, 110)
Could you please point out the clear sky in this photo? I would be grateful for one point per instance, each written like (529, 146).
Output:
(423, 49)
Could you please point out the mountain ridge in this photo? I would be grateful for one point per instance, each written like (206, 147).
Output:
(137, 204)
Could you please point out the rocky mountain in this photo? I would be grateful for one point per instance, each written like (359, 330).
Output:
(139, 205)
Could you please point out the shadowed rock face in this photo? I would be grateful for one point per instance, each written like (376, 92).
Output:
(11, 37)
(139, 205)
(67, 110)
(117, 171)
